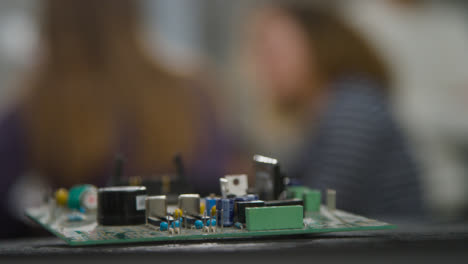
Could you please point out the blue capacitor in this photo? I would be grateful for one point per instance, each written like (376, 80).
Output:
(227, 205)
(163, 226)
(175, 224)
(198, 224)
(209, 203)
(213, 222)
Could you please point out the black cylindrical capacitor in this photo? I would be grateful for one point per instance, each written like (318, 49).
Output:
(122, 205)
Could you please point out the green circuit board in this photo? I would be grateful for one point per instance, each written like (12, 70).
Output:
(88, 232)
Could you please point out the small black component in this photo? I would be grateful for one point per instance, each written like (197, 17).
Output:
(240, 208)
(121, 205)
(154, 221)
(285, 202)
(269, 181)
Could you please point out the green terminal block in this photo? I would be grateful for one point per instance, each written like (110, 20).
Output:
(312, 200)
(274, 218)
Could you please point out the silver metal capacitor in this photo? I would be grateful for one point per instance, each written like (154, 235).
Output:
(156, 206)
(190, 204)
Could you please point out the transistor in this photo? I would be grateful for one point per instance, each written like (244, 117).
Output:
(269, 181)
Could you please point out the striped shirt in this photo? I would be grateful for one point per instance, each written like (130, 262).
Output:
(358, 150)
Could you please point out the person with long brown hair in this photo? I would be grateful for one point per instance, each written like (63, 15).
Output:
(96, 92)
(328, 87)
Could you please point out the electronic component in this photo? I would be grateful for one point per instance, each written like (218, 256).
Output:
(211, 225)
(123, 211)
(236, 185)
(312, 200)
(246, 198)
(210, 203)
(202, 208)
(223, 184)
(296, 192)
(154, 221)
(178, 213)
(274, 218)
(190, 204)
(188, 221)
(61, 196)
(198, 224)
(269, 181)
(82, 196)
(241, 206)
(163, 226)
(156, 208)
(225, 208)
(121, 205)
(175, 224)
(331, 200)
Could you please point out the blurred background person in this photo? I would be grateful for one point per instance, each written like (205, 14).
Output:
(326, 113)
(95, 92)
(426, 45)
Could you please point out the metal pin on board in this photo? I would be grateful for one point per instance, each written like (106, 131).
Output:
(169, 224)
(204, 218)
(222, 220)
(217, 217)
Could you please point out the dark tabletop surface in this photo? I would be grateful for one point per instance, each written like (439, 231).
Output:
(425, 243)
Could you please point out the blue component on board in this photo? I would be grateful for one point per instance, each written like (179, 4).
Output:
(198, 224)
(227, 206)
(163, 226)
